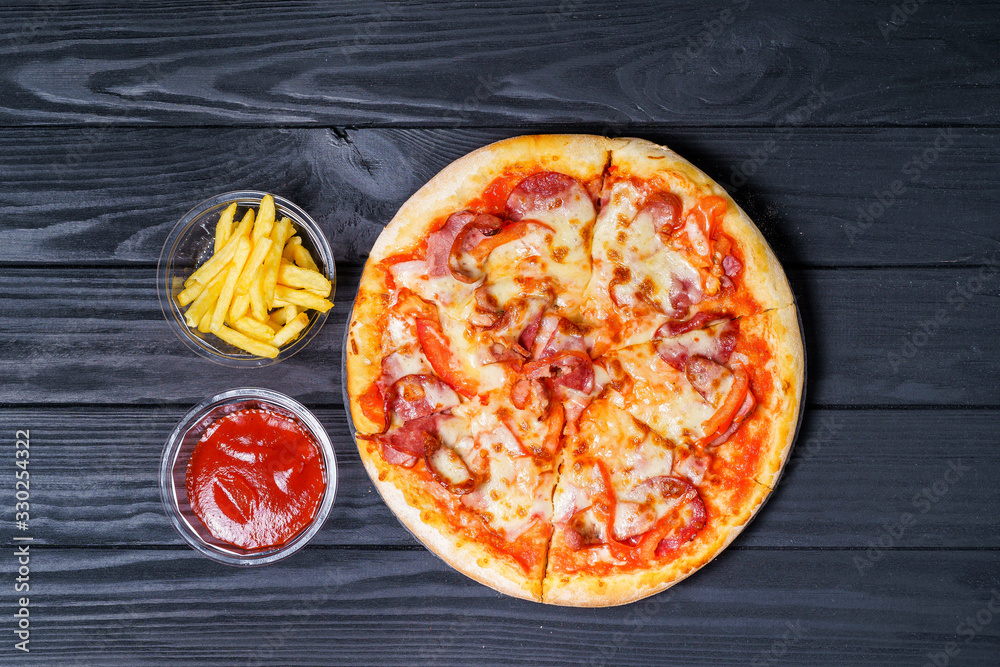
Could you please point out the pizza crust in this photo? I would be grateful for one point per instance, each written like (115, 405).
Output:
(780, 328)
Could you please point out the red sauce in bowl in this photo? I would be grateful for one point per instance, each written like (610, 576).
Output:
(255, 479)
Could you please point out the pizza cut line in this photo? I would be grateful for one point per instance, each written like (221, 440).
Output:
(574, 368)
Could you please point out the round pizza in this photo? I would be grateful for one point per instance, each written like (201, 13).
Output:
(574, 368)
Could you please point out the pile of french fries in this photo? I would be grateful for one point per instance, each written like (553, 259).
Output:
(255, 290)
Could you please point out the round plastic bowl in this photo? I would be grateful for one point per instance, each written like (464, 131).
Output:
(191, 243)
(177, 453)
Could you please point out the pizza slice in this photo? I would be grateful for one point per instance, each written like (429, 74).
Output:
(672, 251)
(733, 388)
(635, 512)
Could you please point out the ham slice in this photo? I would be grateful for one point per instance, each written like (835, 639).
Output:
(440, 242)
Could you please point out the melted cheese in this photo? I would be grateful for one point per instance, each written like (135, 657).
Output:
(659, 395)
(630, 258)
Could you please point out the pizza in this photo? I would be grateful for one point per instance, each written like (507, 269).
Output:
(574, 368)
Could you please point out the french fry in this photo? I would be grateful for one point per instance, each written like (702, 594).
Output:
(256, 259)
(252, 327)
(226, 296)
(189, 294)
(241, 303)
(244, 342)
(304, 259)
(291, 330)
(257, 306)
(302, 298)
(290, 311)
(275, 326)
(288, 254)
(224, 228)
(265, 219)
(218, 261)
(205, 324)
(294, 276)
(282, 231)
(205, 301)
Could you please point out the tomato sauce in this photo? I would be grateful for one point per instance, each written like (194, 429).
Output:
(255, 479)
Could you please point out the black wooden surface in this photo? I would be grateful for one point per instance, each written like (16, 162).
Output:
(883, 537)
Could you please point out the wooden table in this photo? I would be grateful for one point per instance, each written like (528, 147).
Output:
(863, 139)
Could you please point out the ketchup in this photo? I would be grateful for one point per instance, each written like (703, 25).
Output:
(255, 479)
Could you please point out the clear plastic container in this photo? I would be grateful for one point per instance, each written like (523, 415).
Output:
(191, 243)
(177, 453)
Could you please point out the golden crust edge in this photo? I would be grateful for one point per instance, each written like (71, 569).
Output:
(785, 340)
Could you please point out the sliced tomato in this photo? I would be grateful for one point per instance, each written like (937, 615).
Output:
(372, 404)
(511, 232)
(445, 364)
(723, 417)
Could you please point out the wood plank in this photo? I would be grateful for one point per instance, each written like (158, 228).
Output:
(67, 198)
(96, 335)
(853, 477)
(463, 64)
(405, 608)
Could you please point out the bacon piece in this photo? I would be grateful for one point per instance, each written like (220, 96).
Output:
(665, 535)
(527, 337)
(416, 396)
(731, 266)
(706, 377)
(518, 315)
(683, 294)
(440, 242)
(543, 192)
(695, 522)
(570, 368)
(696, 321)
(448, 468)
(395, 457)
(716, 343)
(531, 395)
(665, 209)
(468, 239)
(557, 334)
(413, 436)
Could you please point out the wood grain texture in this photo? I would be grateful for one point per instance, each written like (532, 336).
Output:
(111, 195)
(404, 608)
(94, 481)
(97, 335)
(519, 64)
